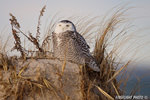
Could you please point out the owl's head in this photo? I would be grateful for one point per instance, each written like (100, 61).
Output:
(63, 26)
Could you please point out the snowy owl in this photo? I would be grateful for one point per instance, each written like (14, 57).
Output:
(70, 45)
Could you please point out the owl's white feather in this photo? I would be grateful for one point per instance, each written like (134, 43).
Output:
(63, 27)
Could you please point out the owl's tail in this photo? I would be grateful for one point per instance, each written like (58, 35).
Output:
(91, 62)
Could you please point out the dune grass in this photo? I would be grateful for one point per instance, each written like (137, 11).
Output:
(103, 84)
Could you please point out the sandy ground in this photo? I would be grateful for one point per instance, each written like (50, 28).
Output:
(63, 86)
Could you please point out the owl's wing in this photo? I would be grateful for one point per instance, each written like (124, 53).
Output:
(81, 41)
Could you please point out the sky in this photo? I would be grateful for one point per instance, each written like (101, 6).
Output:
(27, 12)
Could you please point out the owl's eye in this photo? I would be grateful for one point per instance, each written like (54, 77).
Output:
(67, 25)
(59, 25)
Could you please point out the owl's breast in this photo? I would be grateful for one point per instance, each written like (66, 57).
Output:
(67, 47)
(59, 40)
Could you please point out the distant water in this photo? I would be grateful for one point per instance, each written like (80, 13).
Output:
(142, 72)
